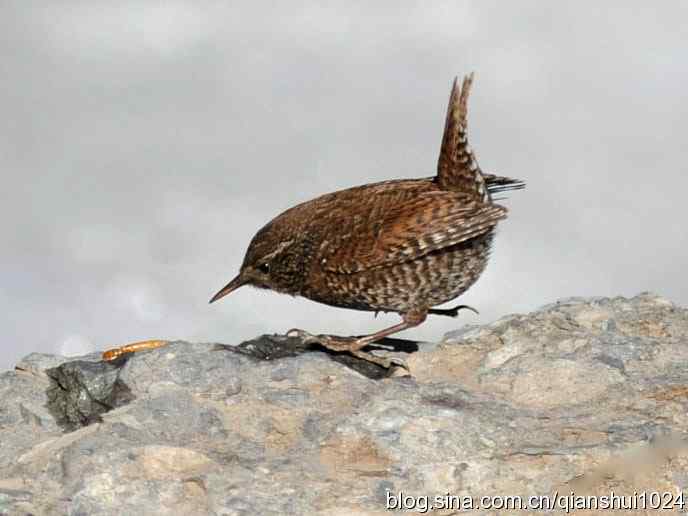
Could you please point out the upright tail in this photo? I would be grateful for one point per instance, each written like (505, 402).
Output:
(457, 167)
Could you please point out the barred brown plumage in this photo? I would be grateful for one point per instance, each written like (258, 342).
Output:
(403, 245)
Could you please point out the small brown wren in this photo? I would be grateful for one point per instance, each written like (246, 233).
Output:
(404, 245)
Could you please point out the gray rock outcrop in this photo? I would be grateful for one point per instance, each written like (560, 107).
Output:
(585, 396)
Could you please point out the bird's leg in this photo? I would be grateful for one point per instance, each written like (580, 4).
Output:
(112, 354)
(452, 312)
(354, 345)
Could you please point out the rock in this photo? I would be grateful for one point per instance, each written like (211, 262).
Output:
(584, 396)
(81, 391)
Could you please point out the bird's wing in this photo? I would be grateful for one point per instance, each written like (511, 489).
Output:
(396, 232)
(457, 167)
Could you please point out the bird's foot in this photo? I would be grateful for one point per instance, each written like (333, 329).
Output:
(303, 335)
(331, 342)
(350, 345)
(384, 362)
(452, 312)
(114, 353)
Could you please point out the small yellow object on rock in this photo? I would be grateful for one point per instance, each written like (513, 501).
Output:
(114, 353)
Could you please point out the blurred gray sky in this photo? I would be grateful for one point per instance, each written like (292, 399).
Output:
(143, 144)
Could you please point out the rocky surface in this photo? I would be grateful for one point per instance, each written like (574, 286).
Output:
(584, 395)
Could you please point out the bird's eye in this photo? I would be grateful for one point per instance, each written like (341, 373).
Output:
(264, 268)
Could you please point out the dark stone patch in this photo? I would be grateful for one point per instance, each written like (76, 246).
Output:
(269, 347)
(16, 494)
(447, 401)
(614, 362)
(81, 391)
(274, 347)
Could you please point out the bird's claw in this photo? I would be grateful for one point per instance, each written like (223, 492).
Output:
(391, 362)
(466, 307)
(399, 362)
(344, 344)
(303, 335)
(385, 362)
(452, 312)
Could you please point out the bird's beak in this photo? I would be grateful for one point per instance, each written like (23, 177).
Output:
(229, 287)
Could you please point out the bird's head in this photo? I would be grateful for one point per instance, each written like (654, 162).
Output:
(273, 261)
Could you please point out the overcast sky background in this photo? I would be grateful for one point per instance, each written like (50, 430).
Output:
(144, 143)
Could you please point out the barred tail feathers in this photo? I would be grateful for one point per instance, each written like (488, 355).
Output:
(457, 167)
